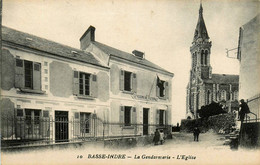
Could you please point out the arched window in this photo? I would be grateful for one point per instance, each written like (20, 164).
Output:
(202, 57)
(235, 95)
(206, 57)
(223, 95)
(208, 101)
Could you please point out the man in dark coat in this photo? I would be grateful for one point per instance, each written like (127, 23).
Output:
(243, 110)
(156, 138)
(196, 133)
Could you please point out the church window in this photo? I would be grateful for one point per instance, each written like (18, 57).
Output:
(202, 57)
(223, 95)
(208, 101)
(235, 95)
(206, 58)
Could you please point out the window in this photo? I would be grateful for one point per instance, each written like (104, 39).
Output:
(223, 95)
(127, 115)
(27, 75)
(235, 95)
(162, 88)
(128, 81)
(84, 122)
(202, 57)
(206, 57)
(208, 101)
(85, 84)
(32, 122)
(160, 117)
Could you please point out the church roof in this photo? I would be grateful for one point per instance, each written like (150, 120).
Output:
(201, 30)
(223, 79)
(37, 43)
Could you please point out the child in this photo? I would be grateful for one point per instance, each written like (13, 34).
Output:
(161, 136)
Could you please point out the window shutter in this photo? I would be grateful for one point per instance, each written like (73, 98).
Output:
(20, 127)
(19, 73)
(134, 81)
(122, 115)
(76, 124)
(157, 91)
(157, 116)
(36, 76)
(166, 90)
(93, 86)
(165, 117)
(76, 83)
(133, 115)
(45, 123)
(121, 80)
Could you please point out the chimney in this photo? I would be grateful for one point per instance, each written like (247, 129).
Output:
(138, 54)
(87, 37)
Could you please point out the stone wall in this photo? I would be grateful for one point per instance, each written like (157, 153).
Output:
(215, 123)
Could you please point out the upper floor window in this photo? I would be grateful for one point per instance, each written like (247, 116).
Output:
(162, 88)
(85, 84)
(128, 81)
(208, 101)
(27, 75)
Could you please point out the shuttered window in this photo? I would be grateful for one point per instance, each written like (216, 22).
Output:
(27, 74)
(128, 81)
(162, 89)
(85, 84)
(127, 115)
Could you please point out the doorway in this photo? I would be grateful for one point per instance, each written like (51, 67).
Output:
(61, 126)
(145, 121)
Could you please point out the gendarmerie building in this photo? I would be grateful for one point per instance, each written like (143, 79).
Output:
(205, 87)
(55, 93)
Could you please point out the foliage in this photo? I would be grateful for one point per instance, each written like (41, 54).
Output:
(210, 110)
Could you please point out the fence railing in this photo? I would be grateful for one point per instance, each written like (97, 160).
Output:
(253, 104)
(22, 131)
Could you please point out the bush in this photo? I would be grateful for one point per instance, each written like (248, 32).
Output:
(211, 110)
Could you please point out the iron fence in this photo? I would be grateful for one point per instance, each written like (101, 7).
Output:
(47, 131)
(254, 105)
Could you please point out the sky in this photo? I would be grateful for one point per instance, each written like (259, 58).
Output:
(163, 29)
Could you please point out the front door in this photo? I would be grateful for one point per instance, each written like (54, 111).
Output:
(145, 121)
(61, 126)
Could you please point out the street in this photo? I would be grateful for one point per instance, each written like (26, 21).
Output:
(181, 149)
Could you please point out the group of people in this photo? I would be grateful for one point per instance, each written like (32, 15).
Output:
(158, 137)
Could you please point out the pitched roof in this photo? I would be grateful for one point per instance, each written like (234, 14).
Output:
(127, 56)
(201, 30)
(47, 46)
(223, 79)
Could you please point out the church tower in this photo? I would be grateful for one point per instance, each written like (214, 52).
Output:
(200, 50)
(200, 66)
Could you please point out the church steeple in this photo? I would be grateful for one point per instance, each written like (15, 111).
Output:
(201, 30)
(200, 49)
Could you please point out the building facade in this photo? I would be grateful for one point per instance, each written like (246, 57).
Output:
(55, 93)
(205, 87)
(249, 58)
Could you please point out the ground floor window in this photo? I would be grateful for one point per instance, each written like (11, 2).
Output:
(32, 121)
(84, 122)
(161, 117)
(127, 116)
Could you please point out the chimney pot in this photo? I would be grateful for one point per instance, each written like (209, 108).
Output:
(138, 54)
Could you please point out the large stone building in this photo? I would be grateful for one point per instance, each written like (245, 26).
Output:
(205, 87)
(54, 93)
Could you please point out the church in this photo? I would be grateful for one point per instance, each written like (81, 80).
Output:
(205, 87)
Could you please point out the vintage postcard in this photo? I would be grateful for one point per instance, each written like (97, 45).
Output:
(130, 82)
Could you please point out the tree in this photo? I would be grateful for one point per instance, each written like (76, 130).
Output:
(210, 110)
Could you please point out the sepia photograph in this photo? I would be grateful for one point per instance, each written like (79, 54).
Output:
(130, 82)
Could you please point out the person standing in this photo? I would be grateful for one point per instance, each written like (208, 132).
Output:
(243, 110)
(156, 137)
(196, 133)
(161, 136)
